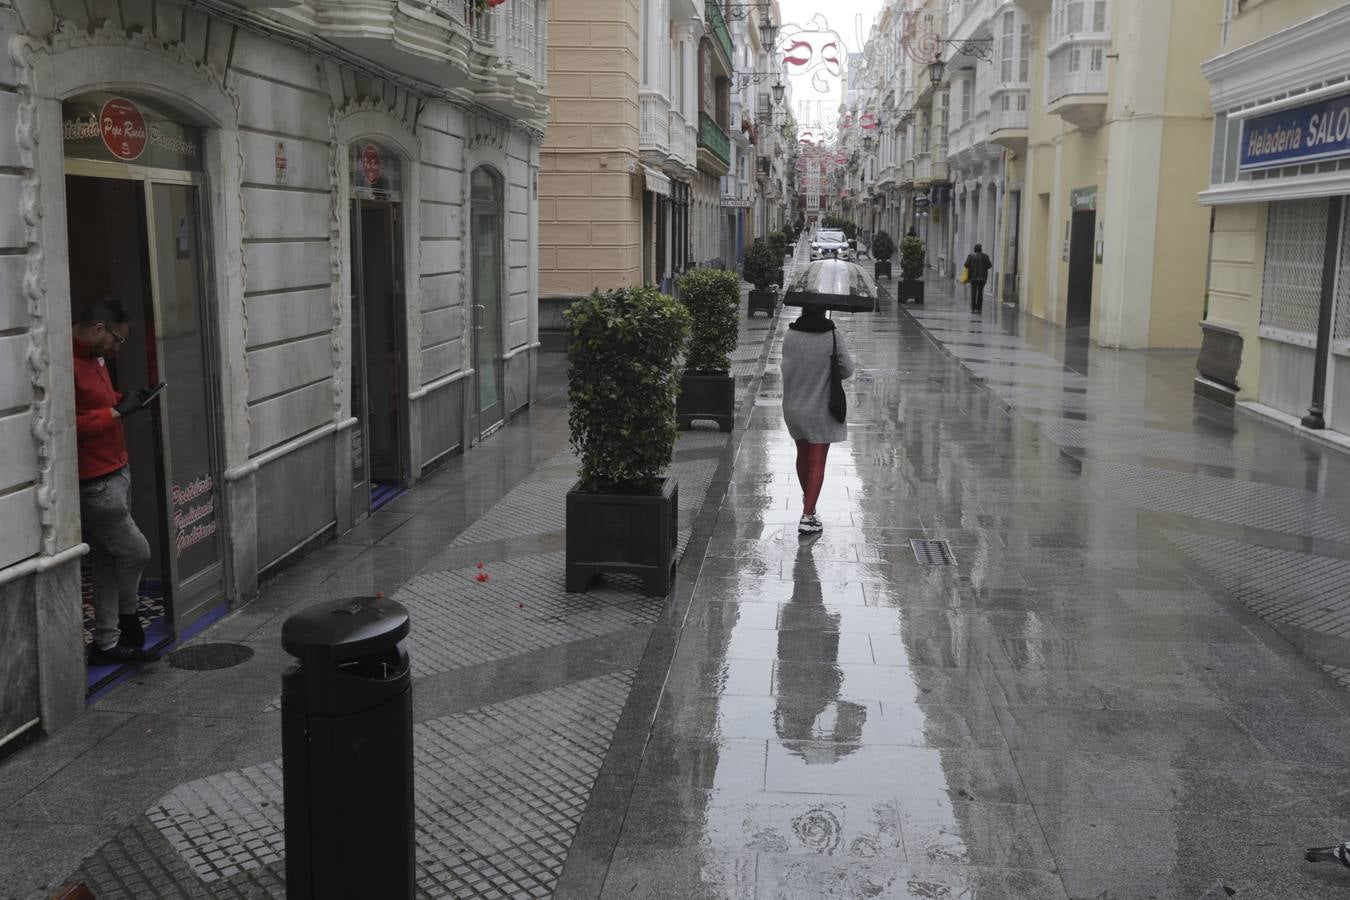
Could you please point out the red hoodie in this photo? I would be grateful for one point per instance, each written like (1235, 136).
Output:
(102, 446)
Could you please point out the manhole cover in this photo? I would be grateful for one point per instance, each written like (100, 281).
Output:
(205, 657)
(932, 553)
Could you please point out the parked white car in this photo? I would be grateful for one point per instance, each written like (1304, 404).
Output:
(829, 242)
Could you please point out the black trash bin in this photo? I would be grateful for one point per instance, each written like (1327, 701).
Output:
(346, 715)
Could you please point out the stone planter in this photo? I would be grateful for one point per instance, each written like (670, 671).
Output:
(909, 289)
(707, 395)
(881, 267)
(630, 534)
(763, 301)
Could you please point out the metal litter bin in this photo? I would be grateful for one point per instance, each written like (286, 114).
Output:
(346, 715)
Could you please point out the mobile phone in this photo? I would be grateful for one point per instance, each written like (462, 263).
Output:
(154, 392)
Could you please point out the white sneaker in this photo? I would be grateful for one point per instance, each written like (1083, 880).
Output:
(810, 525)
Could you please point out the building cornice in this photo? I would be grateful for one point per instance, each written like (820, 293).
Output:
(1270, 189)
(1292, 59)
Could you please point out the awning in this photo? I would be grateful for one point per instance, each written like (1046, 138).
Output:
(655, 181)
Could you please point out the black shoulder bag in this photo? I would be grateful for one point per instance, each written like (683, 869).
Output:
(838, 402)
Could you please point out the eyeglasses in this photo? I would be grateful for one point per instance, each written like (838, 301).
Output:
(120, 339)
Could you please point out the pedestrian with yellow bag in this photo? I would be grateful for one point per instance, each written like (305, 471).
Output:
(975, 273)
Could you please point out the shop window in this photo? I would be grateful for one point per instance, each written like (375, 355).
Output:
(1342, 323)
(1295, 246)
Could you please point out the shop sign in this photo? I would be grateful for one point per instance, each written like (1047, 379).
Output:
(1308, 133)
(1083, 199)
(107, 127)
(376, 172)
(735, 203)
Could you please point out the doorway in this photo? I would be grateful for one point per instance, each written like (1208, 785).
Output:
(485, 201)
(378, 322)
(135, 217)
(1082, 229)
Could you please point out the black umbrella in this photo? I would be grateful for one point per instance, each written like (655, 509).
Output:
(833, 284)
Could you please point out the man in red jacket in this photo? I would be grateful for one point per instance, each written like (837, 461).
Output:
(117, 548)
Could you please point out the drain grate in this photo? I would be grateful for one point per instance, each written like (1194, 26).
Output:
(932, 553)
(205, 657)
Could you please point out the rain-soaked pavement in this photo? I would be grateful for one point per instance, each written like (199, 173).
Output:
(1129, 683)
(1078, 706)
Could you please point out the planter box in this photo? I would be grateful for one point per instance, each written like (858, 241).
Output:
(881, 267)
(709, 396)
(763, 301)
(630, 534)
(906, 289)
(780, 277)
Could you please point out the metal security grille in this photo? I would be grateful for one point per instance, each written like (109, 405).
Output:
(1342, 326)
(932, 553)
(1295, 244)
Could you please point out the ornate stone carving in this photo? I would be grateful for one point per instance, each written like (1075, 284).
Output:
(486, 131)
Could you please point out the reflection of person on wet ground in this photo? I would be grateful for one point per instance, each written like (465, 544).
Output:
(807, 348)
(808, 704)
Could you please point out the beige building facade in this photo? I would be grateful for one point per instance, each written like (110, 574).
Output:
(635, 147)
(1279, 264)
(1118, 128)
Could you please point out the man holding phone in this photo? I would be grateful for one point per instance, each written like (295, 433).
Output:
(117, 548)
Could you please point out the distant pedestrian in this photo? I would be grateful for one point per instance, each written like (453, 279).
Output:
(807, 348)
(118, 550)
(978, 265)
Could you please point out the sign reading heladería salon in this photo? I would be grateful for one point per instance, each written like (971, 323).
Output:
(1309, 133)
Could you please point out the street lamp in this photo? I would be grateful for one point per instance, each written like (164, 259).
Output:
(767, 31)
(778, 90)
(935, 69)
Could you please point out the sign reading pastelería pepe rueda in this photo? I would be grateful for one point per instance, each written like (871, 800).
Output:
(1309, 133)
(114, 128)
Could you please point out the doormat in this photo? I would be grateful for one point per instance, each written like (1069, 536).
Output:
(383, 492)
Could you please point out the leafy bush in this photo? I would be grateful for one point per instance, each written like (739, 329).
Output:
(883, 246)
(761, 265)
(778, 242)
(850, 230)
(912, 255)
(713, 297)
(622, 380)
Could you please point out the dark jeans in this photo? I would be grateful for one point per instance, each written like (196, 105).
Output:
(977, 295)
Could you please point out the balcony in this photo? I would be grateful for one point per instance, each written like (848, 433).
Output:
(498, 55)
(940, 174)
(721, 35)
(683, 157)
(714, 147)
(654, 136)
(1076, 83)
(923, 170)
(1008, 126)
(974, 19)
(887, 176)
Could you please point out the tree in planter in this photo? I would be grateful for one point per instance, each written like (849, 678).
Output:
(883, 248)
(622, 380)
(763, 269)
(850, 230)
(708, 389)
(778, 243)
(621, 385)
(912, 258)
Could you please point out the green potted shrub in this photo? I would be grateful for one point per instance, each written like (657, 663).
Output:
(912, 256)
(708, 389)
(778, 242)
(883, 248)
(763, 271)
(622, 379)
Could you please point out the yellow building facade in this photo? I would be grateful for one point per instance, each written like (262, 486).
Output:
(1279, 267)
(1101, 189)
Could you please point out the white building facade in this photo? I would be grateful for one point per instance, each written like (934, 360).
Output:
(322, 219)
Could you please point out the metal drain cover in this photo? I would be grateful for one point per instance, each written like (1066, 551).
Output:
(932, 553)
(205, 657)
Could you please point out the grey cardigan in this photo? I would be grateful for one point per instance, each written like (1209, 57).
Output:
(806, 385)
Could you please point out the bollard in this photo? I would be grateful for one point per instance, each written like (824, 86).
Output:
(347, 769)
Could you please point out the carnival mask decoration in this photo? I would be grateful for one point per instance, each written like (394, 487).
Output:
(814, 49)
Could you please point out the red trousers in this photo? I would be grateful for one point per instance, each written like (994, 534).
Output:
(811, 473)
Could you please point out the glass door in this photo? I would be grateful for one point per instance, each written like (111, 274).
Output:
(189, 407)
(486, 235)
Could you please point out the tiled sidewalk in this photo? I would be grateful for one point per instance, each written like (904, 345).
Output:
(1262, 514)
(171, 785)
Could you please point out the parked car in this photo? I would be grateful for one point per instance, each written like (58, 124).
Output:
(829, 243)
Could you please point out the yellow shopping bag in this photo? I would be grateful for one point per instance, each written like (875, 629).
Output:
(965, 275)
